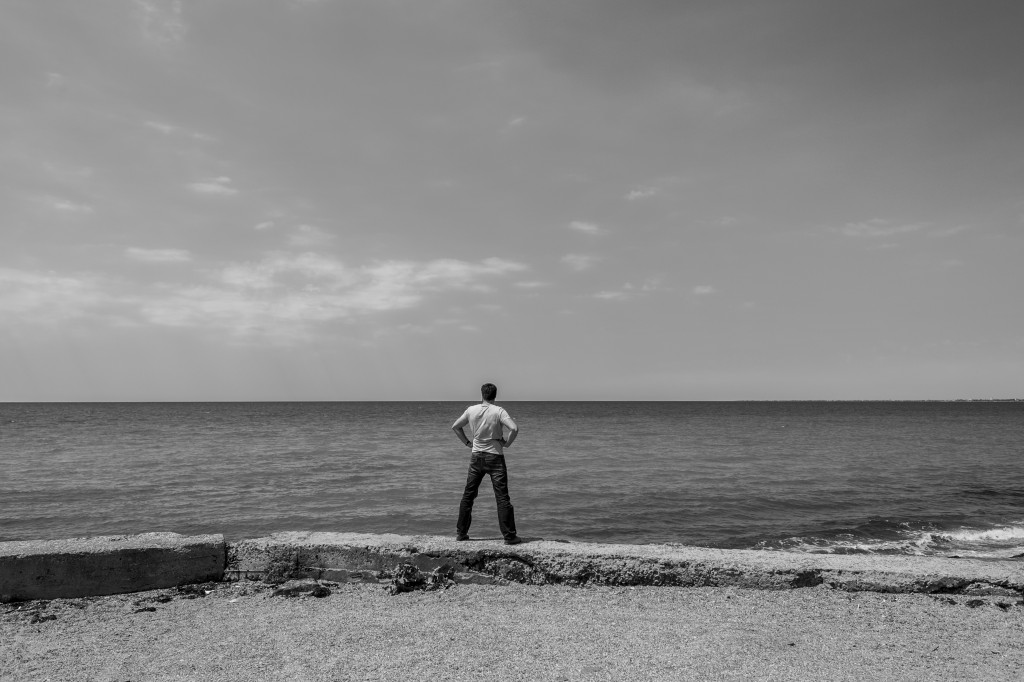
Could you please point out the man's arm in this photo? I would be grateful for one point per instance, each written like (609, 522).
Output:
(457, 427)
(513, 429)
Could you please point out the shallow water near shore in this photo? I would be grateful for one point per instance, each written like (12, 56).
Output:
(942, 478)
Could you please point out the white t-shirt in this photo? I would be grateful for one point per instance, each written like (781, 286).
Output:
(485, 421)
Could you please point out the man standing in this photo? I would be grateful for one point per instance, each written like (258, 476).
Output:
(485, 421)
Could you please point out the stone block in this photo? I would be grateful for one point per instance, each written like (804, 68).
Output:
(110, 564)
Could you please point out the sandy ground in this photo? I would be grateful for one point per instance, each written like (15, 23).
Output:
(239, 631)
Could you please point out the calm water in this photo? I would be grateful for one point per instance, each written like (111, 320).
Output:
(890, 477)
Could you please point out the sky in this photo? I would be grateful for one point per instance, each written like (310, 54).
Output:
(573, 199)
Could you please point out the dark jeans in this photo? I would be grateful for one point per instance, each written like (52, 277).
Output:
(481, 463)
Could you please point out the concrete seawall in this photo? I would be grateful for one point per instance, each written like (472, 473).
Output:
(117, 564)
(354, 556)
(109, 564)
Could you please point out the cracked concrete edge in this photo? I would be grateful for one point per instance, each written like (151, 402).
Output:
(95, 566)
(367, 556)
(109, 564)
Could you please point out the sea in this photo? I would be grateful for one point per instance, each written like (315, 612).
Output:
(923, 478)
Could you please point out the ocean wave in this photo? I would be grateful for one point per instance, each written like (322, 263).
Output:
(1002, 534)
(998, 542)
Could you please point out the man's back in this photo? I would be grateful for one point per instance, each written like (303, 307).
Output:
(486, 421)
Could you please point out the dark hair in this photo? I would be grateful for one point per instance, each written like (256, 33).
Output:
(489, 392)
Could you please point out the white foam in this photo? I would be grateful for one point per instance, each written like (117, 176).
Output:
(995, 543)
(1003, 534)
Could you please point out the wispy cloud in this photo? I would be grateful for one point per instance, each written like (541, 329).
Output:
(878, 227)
(158, 255)
(704, 290)
(641, 193)
(216, 186)
(161, 20)
(630, 290)
(305, 236)
(164, 128)
(580, 262)
(284, 295)
(655, 187)
(63, 205)
(67, 206)
(586, 228)
(281, 298)
(532, 285)
(48, 298)
(168, 129)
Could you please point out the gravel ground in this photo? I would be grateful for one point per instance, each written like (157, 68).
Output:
(239, 631)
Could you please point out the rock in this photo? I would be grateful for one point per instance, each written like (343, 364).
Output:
(975, 603)
(146, 609)
(988, 590)
(195, 591)
(297, 588)
(38, 618)
(408, 578)
(441, 578)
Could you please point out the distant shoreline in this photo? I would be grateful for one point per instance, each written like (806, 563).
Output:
(525, 400)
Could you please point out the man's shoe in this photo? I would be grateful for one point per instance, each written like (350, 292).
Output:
(461, 537)
(513, 541)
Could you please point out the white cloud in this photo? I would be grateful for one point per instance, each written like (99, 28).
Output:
(585, 228)
(284, 295)
(47, 297)
(71, 206)
(158, 255)
(629, 290)
(877, 227)
(950, 231)
(531, 285)
(265, 225)
(62, 205)
(653, 284)
(306, 236)
(281, 298)
(641, 193)
(161, 20)
(164, 128)
(704, 290)
(220, 186)
(580, 262)
(168, 129)
(284, 269)
(54, 79)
